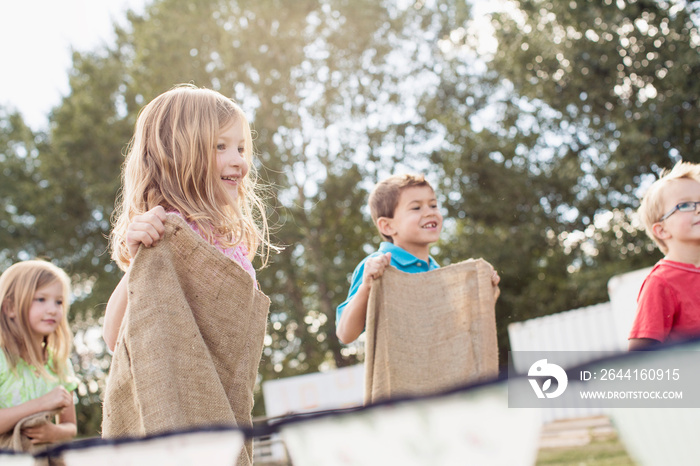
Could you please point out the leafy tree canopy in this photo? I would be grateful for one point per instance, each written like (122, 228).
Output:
(538, 150)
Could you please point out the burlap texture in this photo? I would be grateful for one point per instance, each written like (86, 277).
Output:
(189, 347)
(16, 441)
(428, 332)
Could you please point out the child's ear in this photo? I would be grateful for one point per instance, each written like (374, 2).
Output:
(385, 225)
(9, 309)
(659, 231)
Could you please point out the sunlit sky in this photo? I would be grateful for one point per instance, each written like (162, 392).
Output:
(36, 38)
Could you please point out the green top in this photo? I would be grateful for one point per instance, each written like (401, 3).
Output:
(24, 384)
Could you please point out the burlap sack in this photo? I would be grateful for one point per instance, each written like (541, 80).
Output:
(428, 332)
(15, 440)
(189, 347)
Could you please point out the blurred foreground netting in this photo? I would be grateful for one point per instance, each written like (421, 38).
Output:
(659, 436)
(474, 426)
(210, 446)
(469, 425)
(663, 436)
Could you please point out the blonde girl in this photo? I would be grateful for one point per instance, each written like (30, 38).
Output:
(35, 342)
(191, 154)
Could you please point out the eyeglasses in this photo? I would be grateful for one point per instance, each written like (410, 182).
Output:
(689, 206)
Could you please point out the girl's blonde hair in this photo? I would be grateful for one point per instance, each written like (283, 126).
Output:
(651, 208)
(18, 285)
(171, 162)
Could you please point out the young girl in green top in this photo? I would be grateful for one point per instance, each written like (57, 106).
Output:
(35, 342)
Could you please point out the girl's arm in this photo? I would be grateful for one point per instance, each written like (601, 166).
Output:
(114, 314)
(144, 229)
(66, 428)
(59, 397)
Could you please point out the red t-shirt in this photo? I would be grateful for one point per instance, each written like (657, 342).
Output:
(668, 306)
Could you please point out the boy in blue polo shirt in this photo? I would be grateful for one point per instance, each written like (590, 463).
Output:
(405, 210)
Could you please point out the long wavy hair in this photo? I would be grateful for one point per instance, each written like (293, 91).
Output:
(18, 285)
(171, 162)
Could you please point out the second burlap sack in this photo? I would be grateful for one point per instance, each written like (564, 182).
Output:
(429, 332)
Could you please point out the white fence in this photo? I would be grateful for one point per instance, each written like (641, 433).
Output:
(338, 388)
(603, 327)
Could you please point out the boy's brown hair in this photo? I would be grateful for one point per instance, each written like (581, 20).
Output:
(385, 196)
(652, 207)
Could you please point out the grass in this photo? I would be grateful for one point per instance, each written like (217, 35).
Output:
(599, 452)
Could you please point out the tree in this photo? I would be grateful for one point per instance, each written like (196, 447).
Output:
(294, 78)
(609, 89)
(537, 151)
(19, 149)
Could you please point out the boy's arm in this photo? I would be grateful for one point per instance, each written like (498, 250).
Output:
(352, 320)
(640, 344)
(495, 280)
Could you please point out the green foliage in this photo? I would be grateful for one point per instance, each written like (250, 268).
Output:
(19, 155)
(537, 152)
(620, 80)
(601, 96)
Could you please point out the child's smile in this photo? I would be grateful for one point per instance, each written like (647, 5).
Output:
(232, 182)
(230, 157)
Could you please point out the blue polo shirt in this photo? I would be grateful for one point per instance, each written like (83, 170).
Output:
(400, 258)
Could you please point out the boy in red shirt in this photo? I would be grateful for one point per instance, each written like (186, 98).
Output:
(668, 306)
